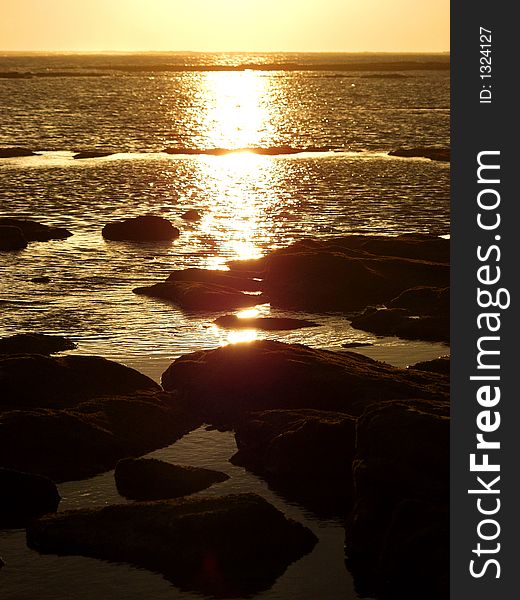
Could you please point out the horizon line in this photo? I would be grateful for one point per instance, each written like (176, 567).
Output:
(64, 51)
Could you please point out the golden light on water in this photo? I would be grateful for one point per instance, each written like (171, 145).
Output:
(248, 313)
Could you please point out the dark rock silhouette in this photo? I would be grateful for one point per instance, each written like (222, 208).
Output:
(223, 384)
(424, 301)
(15, 152)
(12, 238)
(304, 454)
(152, 479)
(34, 343)
(236, 281)
(141, 229)
(433, 153)
(272, 151)
(197, 296)
(264, 323)
(437, 365)
(356, 344)
(34, 231)
(25, 496)
(191, 215)
(398, 532)
(92, 154)
(227, 547)
(42, 279)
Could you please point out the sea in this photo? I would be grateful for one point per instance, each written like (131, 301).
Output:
(339, 113)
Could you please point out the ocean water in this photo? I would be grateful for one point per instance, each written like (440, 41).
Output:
(350, 110)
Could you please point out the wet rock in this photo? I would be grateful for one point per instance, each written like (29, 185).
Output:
(15, 152)
(34, 231)
(354, 272)
(92, 154)
(356, 344)
(141, 229)
(433, 153)
(404, 324)
(398, 532)
(34, 343)
(12, 238)
(55, 382)
(90, 437)
(232, 546)
(198, 296)
(304, 454)
(191, 215)
(263, 323)
(42, 279)
(25, 496)
(223, 384)
(152, 479)
(235, 281)
(437, 365)
(424, 301)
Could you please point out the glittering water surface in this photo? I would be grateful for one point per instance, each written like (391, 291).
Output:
(250, 204)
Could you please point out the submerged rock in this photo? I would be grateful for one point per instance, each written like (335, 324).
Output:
(305, 454)
(15, 152)
(25, 496)
(398, 532)
(34, 231)
(263, 323)
(42, 279)
(237, 281)
(34, 343)
(191, 215)
(141, 229)
(231, 546)
(197, 296)
(223, 384)
(152, 479)
(431, 152)
(92, 154)
(12, 238)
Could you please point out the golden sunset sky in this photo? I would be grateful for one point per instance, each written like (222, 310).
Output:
(225, 25)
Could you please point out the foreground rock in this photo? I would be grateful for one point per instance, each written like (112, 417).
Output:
(223, 384)
(398, 533)
(305, 454)
(12, 238)
(35, 381)
(71, 417)
(235, 281)
(34, 343)
(228, 547)
(25, 496)
(196, 296)
(34, 231)
(433, 153)
(437, 365)
(263, 323)
(15, 152)
(152, 479)
(141, 229)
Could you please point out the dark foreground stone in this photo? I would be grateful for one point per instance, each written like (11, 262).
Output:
(12, 238)
(152, 479)
(304, 454)
(228, 547)
(24, 496)
(433, 153)
(34, 343)
(398, 533)
(196, 296)
(263, 323)
(437, 365)
(34, 231)
(15, 152)
(141, 229)
(223, 384)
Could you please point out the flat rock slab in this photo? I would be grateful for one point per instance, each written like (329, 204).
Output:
(263, 323)
(15, 152)
(223, 384)
(431, 152)
(34, 343)
(234, 280)
(34, 231)
(91, 154)
(227, 547)
(36, 381)
(25, 496)
(152, 479)
(197, 296)
(141, 229)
